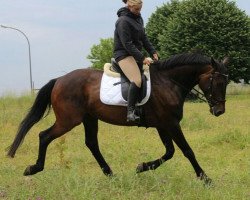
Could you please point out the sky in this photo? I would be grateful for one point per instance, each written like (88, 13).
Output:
(61, 34)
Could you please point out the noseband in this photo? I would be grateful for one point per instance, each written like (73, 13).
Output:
(212, 101)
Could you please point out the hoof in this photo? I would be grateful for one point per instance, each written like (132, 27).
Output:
(27, 171)
(108, 172)
(32, 169)
(206, 179)
(141, 168)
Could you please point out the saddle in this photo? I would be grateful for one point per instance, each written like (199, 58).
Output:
(114, 70)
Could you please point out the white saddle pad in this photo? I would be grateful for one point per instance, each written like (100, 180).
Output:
(111, 94)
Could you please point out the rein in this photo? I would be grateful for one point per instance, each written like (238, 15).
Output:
(202, 98)
(211, 100)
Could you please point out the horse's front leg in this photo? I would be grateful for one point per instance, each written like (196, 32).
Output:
(91, 141)
(181, 142)
(168, 143)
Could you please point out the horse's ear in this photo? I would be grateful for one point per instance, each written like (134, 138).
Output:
(214, 63)
(225, 61)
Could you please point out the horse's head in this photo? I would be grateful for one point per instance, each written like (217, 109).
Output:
(213, 84)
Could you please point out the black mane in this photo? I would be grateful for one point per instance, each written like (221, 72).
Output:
(183, 59)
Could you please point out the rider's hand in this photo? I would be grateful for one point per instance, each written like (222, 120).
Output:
(155, 57)
(147, 61)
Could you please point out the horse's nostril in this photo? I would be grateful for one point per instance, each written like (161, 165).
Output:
(219, 112)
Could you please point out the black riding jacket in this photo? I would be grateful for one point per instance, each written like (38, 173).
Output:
(130, 36)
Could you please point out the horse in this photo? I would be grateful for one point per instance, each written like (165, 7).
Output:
(75, 99)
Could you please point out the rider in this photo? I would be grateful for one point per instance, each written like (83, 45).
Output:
(129, 39)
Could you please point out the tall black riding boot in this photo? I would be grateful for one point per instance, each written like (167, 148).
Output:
(133, 93)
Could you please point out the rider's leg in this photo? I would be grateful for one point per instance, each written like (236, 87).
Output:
(131, 70)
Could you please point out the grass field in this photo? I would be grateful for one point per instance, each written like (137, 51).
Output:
(221, 145)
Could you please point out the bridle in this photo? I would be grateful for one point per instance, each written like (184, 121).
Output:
(211, 100)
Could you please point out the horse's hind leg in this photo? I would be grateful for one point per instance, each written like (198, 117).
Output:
(91, 141)
(45, 138)
(168, 143)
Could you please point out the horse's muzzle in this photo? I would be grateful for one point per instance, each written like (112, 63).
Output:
(217, 110)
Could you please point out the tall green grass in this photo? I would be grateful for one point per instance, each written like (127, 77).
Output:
(221, 145)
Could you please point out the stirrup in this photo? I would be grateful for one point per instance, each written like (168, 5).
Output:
(132, 117)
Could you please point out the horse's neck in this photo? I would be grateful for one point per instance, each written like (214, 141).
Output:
(189, 75)
(185, 77)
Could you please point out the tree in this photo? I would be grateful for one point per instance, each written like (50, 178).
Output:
(101, 53)
(217, 27)
(158, 21)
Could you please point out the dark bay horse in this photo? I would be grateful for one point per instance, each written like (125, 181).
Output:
(75, 99)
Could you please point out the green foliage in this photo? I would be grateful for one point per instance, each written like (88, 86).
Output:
(159, 20)
(101, 53)
(217, 27)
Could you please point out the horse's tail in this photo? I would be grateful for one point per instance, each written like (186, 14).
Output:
(41, 104)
